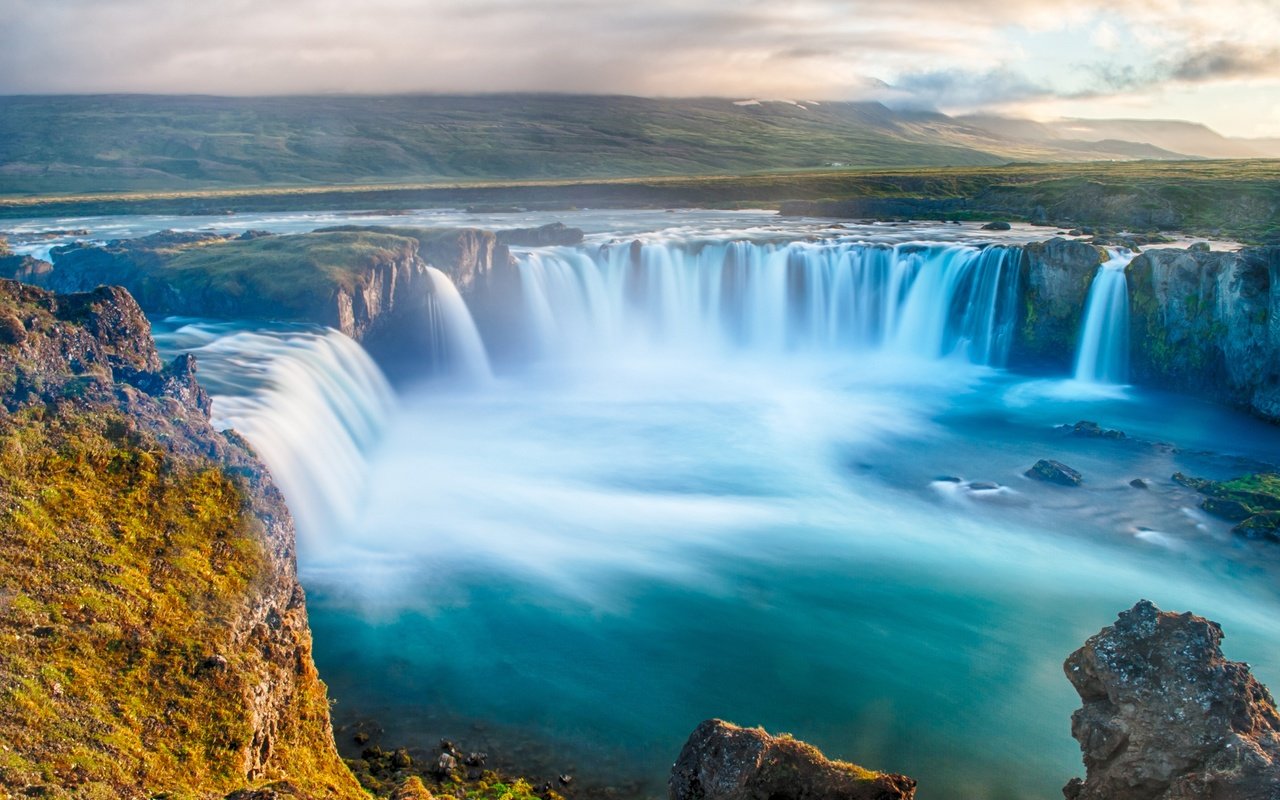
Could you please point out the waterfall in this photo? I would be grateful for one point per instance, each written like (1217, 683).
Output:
(456, 349)
(311, 402)
(925, 300)
(1103, 352)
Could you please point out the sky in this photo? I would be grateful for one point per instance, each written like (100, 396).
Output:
(1212, 62)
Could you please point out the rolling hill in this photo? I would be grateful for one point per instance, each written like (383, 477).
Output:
(113, 143)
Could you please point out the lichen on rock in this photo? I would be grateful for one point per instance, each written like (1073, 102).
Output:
(722, 761)
(1167, 717)
(156, 638)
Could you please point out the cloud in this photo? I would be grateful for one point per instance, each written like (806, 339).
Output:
(967, 89)
(944, 53)
(1224, 60)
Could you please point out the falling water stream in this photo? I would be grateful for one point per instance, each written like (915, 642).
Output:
(1103, 353)
(779, 482)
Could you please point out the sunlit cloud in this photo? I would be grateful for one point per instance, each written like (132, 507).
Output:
(948, 54)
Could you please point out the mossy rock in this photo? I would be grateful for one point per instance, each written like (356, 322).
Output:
(1261, 526)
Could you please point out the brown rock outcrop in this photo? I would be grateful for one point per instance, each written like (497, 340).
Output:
(238, 691)
(721, 761)
(1166, 717)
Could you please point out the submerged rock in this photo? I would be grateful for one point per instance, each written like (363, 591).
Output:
(1046, 469)
(1253, 501)
(721, 761)
(1166, 717)
(997, 226)
(1092, 430)
(1265, 525)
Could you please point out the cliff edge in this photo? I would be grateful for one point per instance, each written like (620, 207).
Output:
(156, 639)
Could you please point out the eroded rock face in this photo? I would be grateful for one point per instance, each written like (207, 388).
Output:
(87, 362)
(1166, 717)
(721, 761)
(1207, 323)
(1056, 276)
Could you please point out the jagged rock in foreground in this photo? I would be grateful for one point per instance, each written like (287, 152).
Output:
(1166, 717)
(721, 761)
(156, 638)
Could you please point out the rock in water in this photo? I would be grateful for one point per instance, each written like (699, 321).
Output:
(724, 762)
(551, 234)
(1047, 469)
(1166, 717)
(998, 225)
(1087, 429)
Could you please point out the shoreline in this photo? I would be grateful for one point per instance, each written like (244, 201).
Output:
(1197, 197)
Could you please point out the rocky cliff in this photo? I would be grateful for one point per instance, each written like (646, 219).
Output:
(1166, 717)
(1055, 280)
(156, 634)
(373, 284)
(1203, 323)
(1209, 323)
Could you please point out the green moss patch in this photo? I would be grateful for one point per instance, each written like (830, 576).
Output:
(1253, 501)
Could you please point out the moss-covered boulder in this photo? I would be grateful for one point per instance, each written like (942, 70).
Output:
(156, 639)
(1252, 501)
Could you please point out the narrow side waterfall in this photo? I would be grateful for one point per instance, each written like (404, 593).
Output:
(1103, 352)
(311, 402)
(456, 348)
(925, 300)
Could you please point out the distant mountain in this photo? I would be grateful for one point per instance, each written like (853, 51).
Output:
(111, 143)
(1175, 136)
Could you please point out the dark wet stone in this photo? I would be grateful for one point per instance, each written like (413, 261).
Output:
(1260, 526)
(1089, 429)
(445, 764)
(1052, 471)
(1227, 508)
(1199, 484)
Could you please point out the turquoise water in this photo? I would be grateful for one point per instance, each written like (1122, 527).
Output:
(578, 568)
(778, 484)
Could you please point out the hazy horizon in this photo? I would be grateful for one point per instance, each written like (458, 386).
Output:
(1127, 59)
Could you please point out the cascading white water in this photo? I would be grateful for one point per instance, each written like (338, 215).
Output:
(925, 300)
(311, 402)
(457, 350)
(1103, 352)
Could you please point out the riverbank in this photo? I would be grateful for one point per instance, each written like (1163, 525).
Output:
(1232, 199)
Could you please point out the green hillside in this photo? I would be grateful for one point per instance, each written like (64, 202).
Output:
(66, 144)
